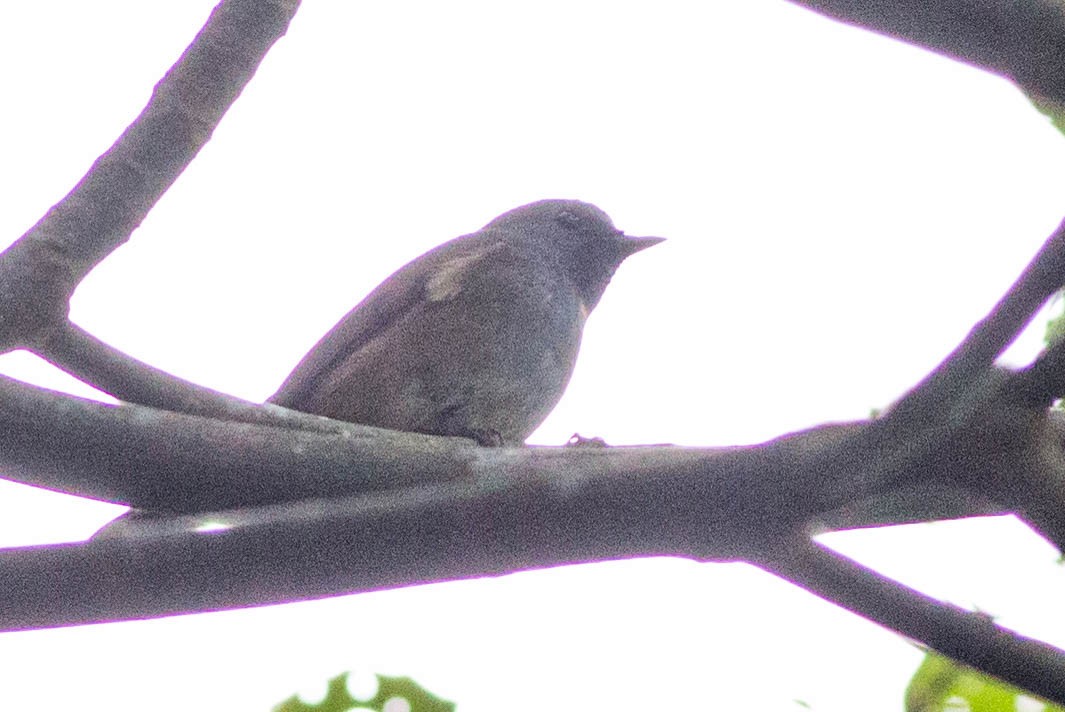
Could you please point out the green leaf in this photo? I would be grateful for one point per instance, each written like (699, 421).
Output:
(1055, 329)
(420, 700)
(942, 685)
(339, 699)
(1053, 110)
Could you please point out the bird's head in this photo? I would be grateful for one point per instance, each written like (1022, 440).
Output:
(581, 236)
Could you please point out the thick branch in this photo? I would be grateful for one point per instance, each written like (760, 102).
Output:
(965, 383)
(1024, 41)
(1042, 277)
(313, 549)
(168, 461)
(965, 392)
(158, 459)
(39, 272)
(967, 637)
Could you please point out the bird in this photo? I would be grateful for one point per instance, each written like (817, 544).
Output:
(476, 338)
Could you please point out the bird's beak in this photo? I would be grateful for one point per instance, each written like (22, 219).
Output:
(631, 245)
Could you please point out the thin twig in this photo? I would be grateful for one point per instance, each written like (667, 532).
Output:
(40, 271)
(82, 355)
(975, 355)
(1024, 41)
(967, 637)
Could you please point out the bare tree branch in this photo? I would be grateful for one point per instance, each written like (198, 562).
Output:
(85, 357)
(318, 548)
(966, 384)
(39, 272)
(1042, 277)
(451, 529)
(967, 637)
(1024, 41)
(159, 459)
(312, 508)
(176, 462)
(965, 392)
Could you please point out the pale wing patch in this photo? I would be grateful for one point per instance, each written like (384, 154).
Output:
(449, 278)
(585, 311)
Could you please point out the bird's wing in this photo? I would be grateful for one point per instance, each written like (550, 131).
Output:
(433, 277)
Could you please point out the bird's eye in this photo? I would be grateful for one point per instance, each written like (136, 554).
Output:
(568, 220)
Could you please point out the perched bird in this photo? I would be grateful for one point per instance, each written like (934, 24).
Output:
(477, 337)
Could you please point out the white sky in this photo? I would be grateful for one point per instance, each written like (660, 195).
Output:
(840, 209)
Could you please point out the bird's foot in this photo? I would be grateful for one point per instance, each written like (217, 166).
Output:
(485, 437)
(578, 440)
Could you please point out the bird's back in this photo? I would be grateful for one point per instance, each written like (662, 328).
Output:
(477, 335)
